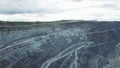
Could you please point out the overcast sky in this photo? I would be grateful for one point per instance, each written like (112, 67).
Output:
(50, 10)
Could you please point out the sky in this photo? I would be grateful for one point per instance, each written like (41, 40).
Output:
(51, 10)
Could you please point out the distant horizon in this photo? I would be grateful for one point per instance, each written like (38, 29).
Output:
(61, 20)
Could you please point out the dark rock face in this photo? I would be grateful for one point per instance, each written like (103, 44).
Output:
(62, 44)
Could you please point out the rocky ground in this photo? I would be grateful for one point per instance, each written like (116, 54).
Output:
(60, 44)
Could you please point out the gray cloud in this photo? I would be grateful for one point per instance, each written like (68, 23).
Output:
(108, 5)
(59, 9)
(39, 6)
(25, 6)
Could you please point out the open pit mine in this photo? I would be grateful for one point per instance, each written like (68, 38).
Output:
(60, 44)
